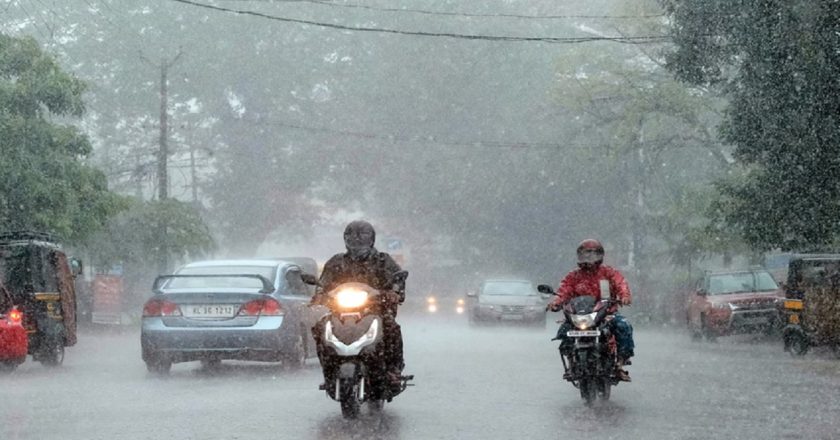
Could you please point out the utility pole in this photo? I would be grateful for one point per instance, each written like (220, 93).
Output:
(162, 159)
(193, 183)
(163, 151)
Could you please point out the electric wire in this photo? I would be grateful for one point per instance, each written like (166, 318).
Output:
(644, 39)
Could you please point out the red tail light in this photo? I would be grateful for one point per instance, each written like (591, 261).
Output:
(160, 307)
(15, 316)
(265, 307)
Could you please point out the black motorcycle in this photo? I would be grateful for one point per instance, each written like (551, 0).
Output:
(591, 364)
(352, 337)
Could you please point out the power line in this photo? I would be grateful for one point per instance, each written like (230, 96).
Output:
(646, 39)
(454, 14)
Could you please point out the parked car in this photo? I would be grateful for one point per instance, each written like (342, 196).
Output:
(731, 302)
(499, 300)
(13, 340)
(210, 311)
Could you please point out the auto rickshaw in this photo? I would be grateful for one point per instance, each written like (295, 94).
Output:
(39, 278)
(811, 306)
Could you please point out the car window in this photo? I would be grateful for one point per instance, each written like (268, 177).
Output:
(269, 272)
(523, 288)
(295, 282)
(741, 282)
(5, 299)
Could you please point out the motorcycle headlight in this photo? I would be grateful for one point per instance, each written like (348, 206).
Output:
(583, 322)
(351, 298)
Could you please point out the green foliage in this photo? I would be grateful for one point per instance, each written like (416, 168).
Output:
(132, 237)
(777, 63)
(44, 183)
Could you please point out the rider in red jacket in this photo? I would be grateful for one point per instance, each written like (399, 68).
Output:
(592, 278)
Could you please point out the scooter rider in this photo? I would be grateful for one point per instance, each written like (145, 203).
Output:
(587, 280)
(362, 263)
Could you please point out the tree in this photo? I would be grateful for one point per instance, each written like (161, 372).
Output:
(777, 62)
(45, 184)
(130, 239)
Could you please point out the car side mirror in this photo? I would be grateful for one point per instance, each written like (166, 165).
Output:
(472, 294)
(545, 289)
(76, 267)
(308, 278)
(702, 292)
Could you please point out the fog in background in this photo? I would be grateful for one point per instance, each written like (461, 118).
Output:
(480, 156)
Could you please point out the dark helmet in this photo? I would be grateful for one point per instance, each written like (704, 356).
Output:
(359, 237)
(590, 253)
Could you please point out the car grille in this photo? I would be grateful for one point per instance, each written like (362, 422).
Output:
(755, 305)
(513, 309)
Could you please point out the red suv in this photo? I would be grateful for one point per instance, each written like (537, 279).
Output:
(734, 302)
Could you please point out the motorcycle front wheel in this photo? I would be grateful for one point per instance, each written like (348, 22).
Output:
(588, 391)
(604, 388)
(349, 398)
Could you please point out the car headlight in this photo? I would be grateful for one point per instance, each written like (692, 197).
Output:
(584, 322)
(351, 298)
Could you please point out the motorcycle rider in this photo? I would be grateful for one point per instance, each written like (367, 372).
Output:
(586, 280)
(362, 263)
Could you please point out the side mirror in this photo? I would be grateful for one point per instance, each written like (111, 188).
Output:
(76, 267)
(472, 294)
(545, 289)
(308, 278)
(702, 292)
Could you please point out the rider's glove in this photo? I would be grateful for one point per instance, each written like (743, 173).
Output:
(624, 301)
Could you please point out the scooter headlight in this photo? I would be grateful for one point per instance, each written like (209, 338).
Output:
(583, 322)
(350, 298)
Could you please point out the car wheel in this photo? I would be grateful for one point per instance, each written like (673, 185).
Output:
(296, 357)
(473, 320)
(159, 367)
(708, 333)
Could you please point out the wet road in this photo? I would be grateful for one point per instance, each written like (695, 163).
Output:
(485, 383)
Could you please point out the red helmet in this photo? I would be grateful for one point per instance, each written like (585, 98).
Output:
(590, 251)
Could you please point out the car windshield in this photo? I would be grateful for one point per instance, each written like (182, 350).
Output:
(518, 288)
(741, 282)
(214, 282)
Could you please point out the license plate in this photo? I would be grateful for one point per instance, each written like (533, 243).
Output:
(209, 310)
(512, 317)
(582, 333)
